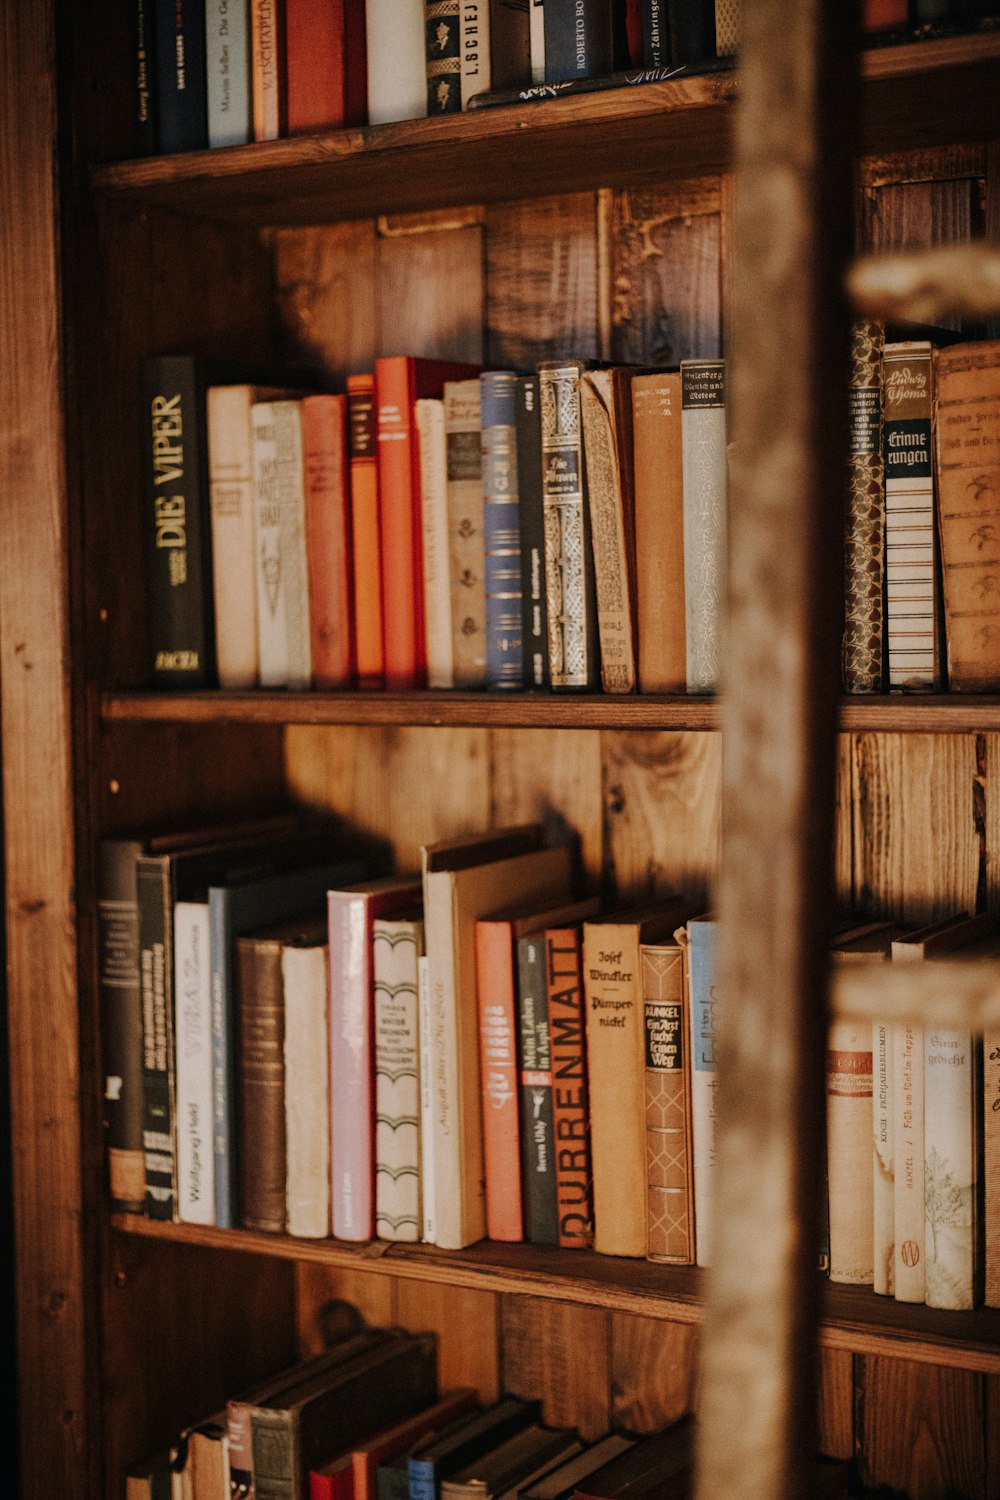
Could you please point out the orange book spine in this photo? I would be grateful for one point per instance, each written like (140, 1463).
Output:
(659, 532)
(570, 1112)
(402, 555)
(366, 533)
(498, 1072)
(324, 458)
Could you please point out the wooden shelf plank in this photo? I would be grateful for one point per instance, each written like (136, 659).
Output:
(853, 1317)
(924, 91)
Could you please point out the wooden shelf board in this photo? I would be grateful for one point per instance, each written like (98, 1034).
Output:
(938, 90)
(853, 1318)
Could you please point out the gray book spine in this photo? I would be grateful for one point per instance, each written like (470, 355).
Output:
(703, 441)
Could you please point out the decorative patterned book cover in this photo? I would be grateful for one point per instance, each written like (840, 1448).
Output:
(181, 85)
(727, 27)
(670, 1180)
(283, 620)
(952, 1173)
(703, 445)
(396, 59)
(328, 539)
(659, 531)
(307, 1082)
(569, 563)
(227, 39)
(883, 1159)
(193, 1062)
(267, 69)
(538, 1169)
(912, 604)
(365, 537)
(501, 529)
(570, 1094)
(466, 550)
(534, 616)
(864, 540)
(428, 415)
(443, 42)
(606, 412)
(397, 946)
(578, 41)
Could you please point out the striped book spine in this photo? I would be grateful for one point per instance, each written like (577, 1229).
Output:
(501, 529)
(910, 561)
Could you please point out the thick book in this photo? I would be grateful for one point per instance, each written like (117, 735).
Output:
(397, 947)
(227, 65)
(181, 85)
(142, 40)
(466, 552)
(558, 1483)
(703, 451)
(646, 1469)
(692, 31)
(578, 40)
(702, 998)
(498, 1474)
(365, 530)
(457, 42)
(569, 560)
(120, 999)
(305, 993)
(534, 616)
(445, 1454)
(616, 1059)
(967, 406)
(606, 411)
(501, 529)
(399, 382)
(667, 1041)
(570, 1088)
(464, 880)
(395, 60)
(328, 539)
(428, 415)
(267, 69)
(864, 522)
(352, 913)
(284, 630)
(659, 531)
(536, 1112)
(326, 65)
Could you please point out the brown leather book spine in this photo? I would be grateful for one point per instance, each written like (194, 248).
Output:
(570, 1107)
(261, 1047)
(670, 1202)
(864, 522)
(659, 532)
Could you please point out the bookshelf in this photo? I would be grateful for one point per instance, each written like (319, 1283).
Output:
(598, 225)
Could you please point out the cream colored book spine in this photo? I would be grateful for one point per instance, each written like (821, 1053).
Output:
(466, 547)
(283, 633)
(883, 1160)
(908, 1131)
(429, 418)
(307, 1090)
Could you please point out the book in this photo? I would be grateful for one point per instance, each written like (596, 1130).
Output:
(269, 97)
(646, 1468)
(659, 531)
(227, 48)
(120, 1002)
(151, 1478)
(510, 43)
(534, 617)
(428, 415)
(142, 57)
(570, 1089)
(457, 41)
(397, 1439)
(446, 1453)
(200, 1461)
(536, 39)
(425, 1053)
(630, 78)
(499, 1472)
(284, 631)
(577, 39)
(883, 1160)
(616, 1066)
(728, 15)
(397, 946)
(655, 33)
(365, 530)
(305, 993)
(569, 560)
(606, 412)
(991, 1165)
(326, 65)
(395, 60)
(466, 552)
(703, 453)
(501, 525)
(399, 382)
(967, 406)
(692, 31)
(558, 1483)
(536, 1116)
(864, 543)
(909, 1268)
(328, 539)
(193, 1061)
(703, 998)
(181, 87)
(352, 912)
(667, 1037)
(464, 879)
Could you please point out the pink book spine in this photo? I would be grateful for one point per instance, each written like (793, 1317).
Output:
(352, 1084)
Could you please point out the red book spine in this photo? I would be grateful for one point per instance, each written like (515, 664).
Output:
(884, 15)
(498, 1072)
(367, 545)
(315, 64)
(328, 542)
(570, 1110)
(399, 514)
(334, 1482)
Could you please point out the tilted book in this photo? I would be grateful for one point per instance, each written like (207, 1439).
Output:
(307, 1083)
(396, 60)
(560, 1482)
(227, 40)
(498, 1474)
(445, 1453)
(606, 410)
(864, 533)
(328, 539)
(466, 551)
(425, 1046)
(667, 1040)
(428, 414)
(510, 42)
(501, 529)
(397, 946)
(457, 39)
(577, 39)
(366, 542)
(659, 531)
(388, 1442)
(569, 560)
(654, 1466)
(703, 446)
(283, 619)
(534, 616)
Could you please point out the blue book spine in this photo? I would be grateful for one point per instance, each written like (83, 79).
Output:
(227, 46)
(704, 1030)
(421, 1479)
(578, 39)
(180, 70)
(501, 529)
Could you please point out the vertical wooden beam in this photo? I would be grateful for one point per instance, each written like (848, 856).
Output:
(788, 383)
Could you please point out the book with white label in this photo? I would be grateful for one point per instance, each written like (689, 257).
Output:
(193, 1063)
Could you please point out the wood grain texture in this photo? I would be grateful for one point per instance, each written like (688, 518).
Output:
(325, 1297)
(554, 777)
(835, 1436)
(558, 1355)
(429, 294)
(466, 1323)
(541, 281)
(922, 1430)
(992, 1402)
(653, 1373)
(922, 164)
(325, 289)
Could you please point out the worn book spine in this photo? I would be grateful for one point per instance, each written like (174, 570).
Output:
(655, 33)
(466, 552)
(728, 20)
(534, 616)
(267, 63)
(307, 1089)
(606, 413)
(261, 1069)
(569, 562)
(883, 1159)
(849, 1131)
(234, 532)
(397, 947)
(670, 1181)
(497, 996)
(864, 539)
(428, 1155)
(443, 44)
(367, 549)
(327, 539)
(577, 39)
(143, 58)
(121, 1021)
(703, 1000)
(967, 379)
(428, 416)
(953, 1228)
(177, 526)
(909, 1276)
(703, 440)
(396, 60)
(227, 40)
(659, 532)
(181, 85)
(501, 530)
(570, 1087)
(540, 1204)
(912, 613)
(156, 947)
(692, 30)
(193, 1063)
(283, 625)
(991, 1165)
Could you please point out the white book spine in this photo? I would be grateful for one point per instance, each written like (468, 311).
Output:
(537, 36)
(307, 1090)
(476, 61)
(429, 417)
(908, 1129)
(883, 1159)
(282, 568)
(849, 1150)
(445, 1190)
(703, 1015)
(703, 449)
(951, 1175)
(234, 530)
(427, 1173)
(396, 953)
(227, 59)
(397, 66)
(193, 1063)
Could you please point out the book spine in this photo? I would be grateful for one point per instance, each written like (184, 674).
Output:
(223, 1060)
(178, 548)
(498, 1072)
(849, 1129)
(267, 61)
(181, 85)
(365, 530)
(425, 1034)
(510, 42)
(307, 1090)
(144, 75)
(669, 1200)
(466, 554)
(883, 15)
(327, 539)
(356, 63)
(692, 31)
(428, 414)
(537, 1120)
(121, 1022)
(659, 532)
(536, 93)
(261, 1067)
(240, 1449)
(703, 441)
(910, 562)
(156, 947)
(234, 532)
(952, 1225)
(315, 65)
(569, 583)
(477, 68)
(227, 42)
(422, 1481)
(443, 43)
(536, 35)
(703, 999)
(655, 33)
(534, 618)
(283, 628)
(399, 516)
(396, 951)
(610, 495)
(991, 1165)
(501, 530)
(728, 20)
(570, 1094)
(883, 1160)
(193, 1066)
(908, 1135)
(351, 1066)
(864, 555)
(396, 60)
(276, 1449)
(577, 39)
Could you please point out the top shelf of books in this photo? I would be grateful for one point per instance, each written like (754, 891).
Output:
(934, 91)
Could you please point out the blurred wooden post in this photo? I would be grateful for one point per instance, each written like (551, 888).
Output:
(794, 148)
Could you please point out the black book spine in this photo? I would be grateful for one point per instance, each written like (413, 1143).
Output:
(538, 1162)
(443, 45)
(534, 620)
(692, 30)
(146, 139)
(578, 39)
(537, 93)
(178, 539)
(655, 34)
(156, 947)
(121, 1022)
(181, 75)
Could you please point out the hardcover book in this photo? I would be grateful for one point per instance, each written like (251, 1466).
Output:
(121, 1021)
(501, 529)
(499, 1473)
(328, 539)
(692, 31)
(466, 553)
(457, 41)
(655, 33)
(560, 1482)
(283, 619)
(646, 1469)
(144, 78)
(570, 1087)
(193, 1061)
(365, 529)
(397, 947)
(864, 556)
(536, 1113)
(267, 69)
(670, 1178)
(428, 414)
(606, 411)
(703, 998)
(659, 531)
(305, 994)
(354, 1473)
(227, 45)
(200, 1461)
(883, 1159)
(569, 559)
(327, 73)
(181, 86)
(578, 40)
(703, 446)
(396, 60)
(534, 615)
(435, 1460)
